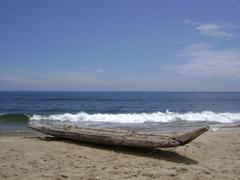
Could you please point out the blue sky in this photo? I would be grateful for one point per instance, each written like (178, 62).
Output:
(112, 45)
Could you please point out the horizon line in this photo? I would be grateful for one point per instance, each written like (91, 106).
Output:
(181, 91)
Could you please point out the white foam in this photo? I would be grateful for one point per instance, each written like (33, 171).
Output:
(143, 117)
(214, 129)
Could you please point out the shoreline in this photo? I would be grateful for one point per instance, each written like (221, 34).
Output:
(214, 155)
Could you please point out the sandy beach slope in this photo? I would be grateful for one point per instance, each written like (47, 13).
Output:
(214, 155)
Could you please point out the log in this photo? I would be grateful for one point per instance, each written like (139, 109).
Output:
(119, 137)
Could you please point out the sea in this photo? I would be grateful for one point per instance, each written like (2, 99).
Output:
(147, 111)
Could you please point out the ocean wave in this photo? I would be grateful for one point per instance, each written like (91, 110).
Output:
(14, 118)
(163, 117)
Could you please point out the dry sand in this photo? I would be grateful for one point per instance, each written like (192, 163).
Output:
(214, 155)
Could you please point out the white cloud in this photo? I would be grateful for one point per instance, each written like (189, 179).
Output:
(100, 70)
(211, 29)
(190, 22)
(187, 21)
(93, 70)
(204, 60)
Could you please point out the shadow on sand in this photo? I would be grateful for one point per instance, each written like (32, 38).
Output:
(156, 154)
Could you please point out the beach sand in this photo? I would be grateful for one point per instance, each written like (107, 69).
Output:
(214, 155)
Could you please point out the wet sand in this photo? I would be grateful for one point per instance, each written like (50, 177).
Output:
(214, 155)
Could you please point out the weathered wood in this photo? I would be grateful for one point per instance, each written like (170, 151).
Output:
(119, 137)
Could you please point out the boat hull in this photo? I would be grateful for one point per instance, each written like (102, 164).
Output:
(119, 137)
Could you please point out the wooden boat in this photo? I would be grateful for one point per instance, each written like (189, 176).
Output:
(119, 137)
